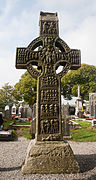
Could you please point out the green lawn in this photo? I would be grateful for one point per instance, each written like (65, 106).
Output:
(7, 122)
(24, 132)
(23, 123)
(85, 133)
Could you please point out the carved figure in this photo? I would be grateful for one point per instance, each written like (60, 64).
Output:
(56, 126)
(44, 27)
(55, 110)
(42, 109)
(52, 126)
(42, 127)
(53, 57)
(46, 108)
(42, 95)
(51, 109)
(47, 126)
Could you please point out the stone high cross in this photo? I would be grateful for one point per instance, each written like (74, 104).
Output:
(48, 52)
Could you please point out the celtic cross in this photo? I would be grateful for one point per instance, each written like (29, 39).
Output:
(48, 52)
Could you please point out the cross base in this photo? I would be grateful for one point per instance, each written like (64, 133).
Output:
(50, 158)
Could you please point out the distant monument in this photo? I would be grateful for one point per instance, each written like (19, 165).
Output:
(49, 154)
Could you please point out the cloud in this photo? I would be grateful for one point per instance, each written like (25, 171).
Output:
(6, 9)
(84, 39)
(18, 30)
(71, 6)
(8, 72)
(19, 25)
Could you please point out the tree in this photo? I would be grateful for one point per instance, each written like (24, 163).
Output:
(85, 76)
(26, 89)
(6, 95)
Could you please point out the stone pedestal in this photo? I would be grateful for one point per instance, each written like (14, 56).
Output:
(50, 157)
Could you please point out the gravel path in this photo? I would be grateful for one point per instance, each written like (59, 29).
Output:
(12, 155)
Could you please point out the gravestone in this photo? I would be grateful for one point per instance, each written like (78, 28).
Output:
(33, 123)
(92, 104)
(13, 109)
(20, 110)
(24, 112)
(65, 121)
(1, 121)
(78, 103)
(48, 52)
(7, 112)
(34, 111)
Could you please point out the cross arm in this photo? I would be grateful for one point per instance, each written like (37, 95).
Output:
(24, 57)
(20, 58)
(74, 59)
(71, 60)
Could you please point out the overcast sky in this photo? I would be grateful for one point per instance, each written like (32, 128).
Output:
(19, 25)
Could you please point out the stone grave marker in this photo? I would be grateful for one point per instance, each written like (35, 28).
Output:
(48, 52)
(7, 113)
(78, 103)
(92, 104)
(65, 121)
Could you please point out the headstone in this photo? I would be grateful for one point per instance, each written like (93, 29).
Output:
(65, 110)
(6, 107)
(47, 156)
(94, 123)
(20, 110)
(5, 135)
(72, 109)
(92, 104)
(34, 112)
(87, 106)
(78, 103)
(1, 121)
(13, 110)
(33, 122)
(7, 112)
(65, 121)
(29, 112)
(24, 112)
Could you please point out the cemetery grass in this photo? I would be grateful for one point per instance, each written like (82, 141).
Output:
(7, 122)
(23, 123)
(20, 132)
(84, 134)
(25, 132)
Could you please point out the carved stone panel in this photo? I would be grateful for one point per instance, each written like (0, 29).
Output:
(48, 23)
